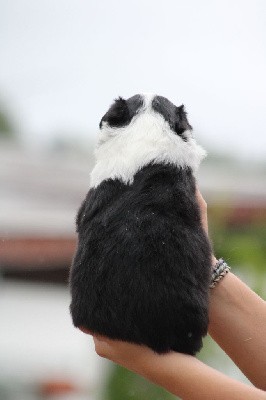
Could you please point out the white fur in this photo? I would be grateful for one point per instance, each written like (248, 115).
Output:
(148, 138)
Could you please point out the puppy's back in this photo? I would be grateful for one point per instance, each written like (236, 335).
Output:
(142, 267)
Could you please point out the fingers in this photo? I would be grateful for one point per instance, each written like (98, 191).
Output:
(100, 346)
(106, 347)
(100, 342)
(202, 203)
(204, 217)
(85, 330)
(203, 210)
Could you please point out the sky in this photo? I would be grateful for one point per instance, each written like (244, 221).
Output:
(62, 62)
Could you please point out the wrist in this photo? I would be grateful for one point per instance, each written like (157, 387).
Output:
(222, 299)
(219, 271)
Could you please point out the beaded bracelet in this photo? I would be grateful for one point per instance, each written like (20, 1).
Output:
(219, 271)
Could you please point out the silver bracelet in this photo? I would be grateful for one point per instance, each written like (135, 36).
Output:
(219, 271)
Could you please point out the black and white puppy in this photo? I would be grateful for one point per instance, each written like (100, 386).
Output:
(141, 271)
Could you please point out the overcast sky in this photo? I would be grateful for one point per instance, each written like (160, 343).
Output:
(63, 61)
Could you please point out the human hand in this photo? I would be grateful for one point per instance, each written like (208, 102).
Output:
(129, 355)
(181, 374)
(134, 357)
(203, 210)
(204, 217)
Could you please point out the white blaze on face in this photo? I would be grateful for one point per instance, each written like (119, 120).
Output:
(121, 152)
(148, 97)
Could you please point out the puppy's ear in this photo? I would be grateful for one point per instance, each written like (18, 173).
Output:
(118, 114)
(181, 124)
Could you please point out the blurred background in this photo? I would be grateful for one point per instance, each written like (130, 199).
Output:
(62, 64)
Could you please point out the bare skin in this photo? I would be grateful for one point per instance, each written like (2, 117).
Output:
(180, 374)
(238, 321)
(237, 324)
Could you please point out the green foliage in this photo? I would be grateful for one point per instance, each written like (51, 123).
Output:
(243, 246)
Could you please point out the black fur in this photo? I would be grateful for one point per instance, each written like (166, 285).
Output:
(122, 111)
(175, 116)
(141, 271)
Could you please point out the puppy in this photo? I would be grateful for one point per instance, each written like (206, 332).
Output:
(141, 271)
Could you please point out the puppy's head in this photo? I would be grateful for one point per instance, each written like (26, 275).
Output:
(123, 113)
(141, 130)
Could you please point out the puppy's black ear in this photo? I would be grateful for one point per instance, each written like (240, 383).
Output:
(118, 114)
(181, 124)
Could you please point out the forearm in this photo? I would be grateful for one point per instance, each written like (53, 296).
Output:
(190, 379)
(238, 325)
